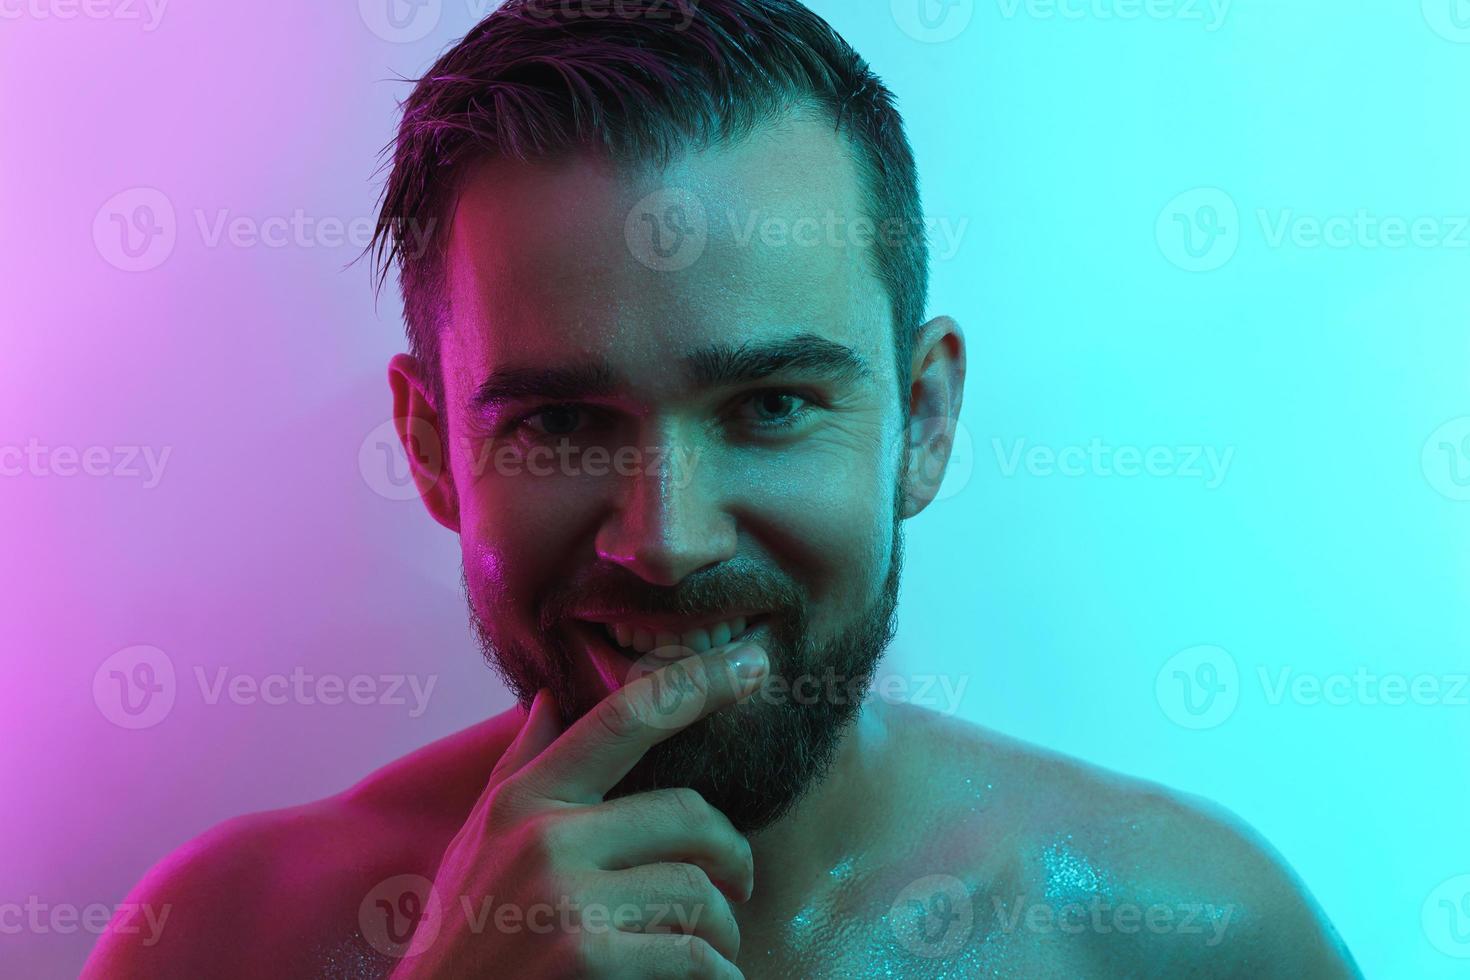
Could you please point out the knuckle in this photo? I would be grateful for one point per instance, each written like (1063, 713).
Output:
(701, 959)
(543, 839)
(693, 881)
(502, 805)
(616, 717)
(691, 806)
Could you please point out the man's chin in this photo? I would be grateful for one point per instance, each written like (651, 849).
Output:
(752, 761)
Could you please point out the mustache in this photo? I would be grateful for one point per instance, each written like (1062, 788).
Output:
(612, 590)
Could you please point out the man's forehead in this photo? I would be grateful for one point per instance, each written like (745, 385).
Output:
(576, 257)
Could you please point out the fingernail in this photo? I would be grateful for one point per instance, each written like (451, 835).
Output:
(748, 661)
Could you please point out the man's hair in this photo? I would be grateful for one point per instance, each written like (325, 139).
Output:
(640, 81)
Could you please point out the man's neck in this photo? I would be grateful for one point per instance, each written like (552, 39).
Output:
(834, 821)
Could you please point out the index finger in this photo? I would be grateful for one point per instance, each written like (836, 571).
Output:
(600, 748)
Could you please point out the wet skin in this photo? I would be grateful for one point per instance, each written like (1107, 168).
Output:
(933, 847)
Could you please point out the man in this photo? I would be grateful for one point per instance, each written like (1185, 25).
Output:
(672, 386)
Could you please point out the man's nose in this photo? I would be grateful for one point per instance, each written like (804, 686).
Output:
(669, 521)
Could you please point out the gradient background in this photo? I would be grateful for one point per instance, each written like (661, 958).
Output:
(1057, 140)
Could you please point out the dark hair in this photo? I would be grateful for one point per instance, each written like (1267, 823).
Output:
(640, 81)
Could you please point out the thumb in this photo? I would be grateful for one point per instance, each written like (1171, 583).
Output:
(540, 729)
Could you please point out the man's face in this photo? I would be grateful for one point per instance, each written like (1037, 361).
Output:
(651, 436)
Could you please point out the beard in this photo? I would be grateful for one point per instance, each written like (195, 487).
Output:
(754, 760)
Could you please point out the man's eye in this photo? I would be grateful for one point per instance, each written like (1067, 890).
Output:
(554, 420)
(775, 409)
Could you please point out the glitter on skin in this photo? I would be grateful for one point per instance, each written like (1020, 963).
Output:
(887, 958)
(353, 959)
(1071, 876)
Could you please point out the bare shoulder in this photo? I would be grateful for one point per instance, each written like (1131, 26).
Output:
(277, 893)
(1121, 876)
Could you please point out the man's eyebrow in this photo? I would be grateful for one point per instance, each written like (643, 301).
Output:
(562, 383)
(808, 354)
(718, 365)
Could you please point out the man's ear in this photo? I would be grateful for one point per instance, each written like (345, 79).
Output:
(935, 393)
(424, 436)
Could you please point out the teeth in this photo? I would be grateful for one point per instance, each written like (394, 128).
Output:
(699, 640)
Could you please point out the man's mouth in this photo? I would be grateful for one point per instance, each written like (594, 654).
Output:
(634, 637)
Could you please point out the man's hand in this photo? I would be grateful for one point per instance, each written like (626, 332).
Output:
(619, 872)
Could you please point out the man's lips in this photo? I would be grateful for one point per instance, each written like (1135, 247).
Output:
(666, 624)
(636, 636)
(612, 659)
